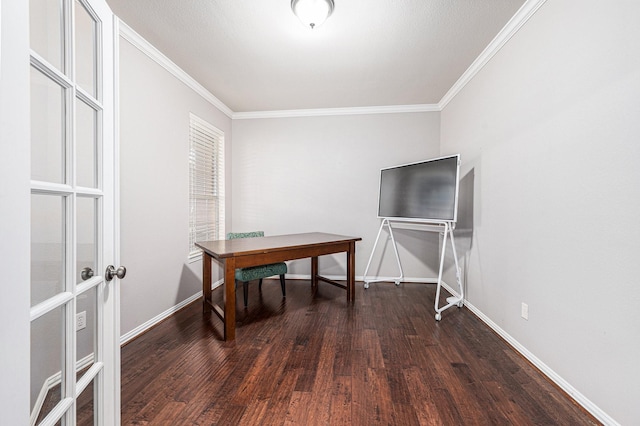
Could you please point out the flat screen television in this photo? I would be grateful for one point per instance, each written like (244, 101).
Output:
(425, 191)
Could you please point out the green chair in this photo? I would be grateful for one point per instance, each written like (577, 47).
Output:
(244, 275)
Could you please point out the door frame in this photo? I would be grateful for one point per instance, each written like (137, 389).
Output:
(15, 202)
(15, 224)
(116, 219)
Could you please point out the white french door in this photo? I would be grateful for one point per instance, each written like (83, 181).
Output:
(74, 325)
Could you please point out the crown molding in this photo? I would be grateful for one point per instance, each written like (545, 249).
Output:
(321, 112)
(127, 33)
(528, 9)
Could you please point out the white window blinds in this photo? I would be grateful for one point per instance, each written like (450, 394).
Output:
(206, 184)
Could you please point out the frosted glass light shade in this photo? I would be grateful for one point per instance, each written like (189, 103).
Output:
(312, 13)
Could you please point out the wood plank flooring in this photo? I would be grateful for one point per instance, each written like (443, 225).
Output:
(311, 359)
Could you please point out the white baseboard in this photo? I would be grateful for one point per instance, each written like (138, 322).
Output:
(544, 368)
(361, 278)
(37, 406)
(52, 382)
(130, 335)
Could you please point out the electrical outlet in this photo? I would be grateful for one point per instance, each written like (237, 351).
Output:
(81, 320)
(525, 311)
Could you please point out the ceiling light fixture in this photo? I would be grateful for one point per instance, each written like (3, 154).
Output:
(312, 13)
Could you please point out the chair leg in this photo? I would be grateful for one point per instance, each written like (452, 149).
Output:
(260, 284)
(245, 292)
(284, 292)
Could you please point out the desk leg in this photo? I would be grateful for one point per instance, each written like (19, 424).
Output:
(229, 299)
(206, 282)
(351, 272)
(314, 272)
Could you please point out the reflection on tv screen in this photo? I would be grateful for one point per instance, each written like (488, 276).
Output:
(427, 190)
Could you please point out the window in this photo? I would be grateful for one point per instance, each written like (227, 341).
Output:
(206, 184)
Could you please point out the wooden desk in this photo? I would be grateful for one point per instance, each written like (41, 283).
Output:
(244, 252)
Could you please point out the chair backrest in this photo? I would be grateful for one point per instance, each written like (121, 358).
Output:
(234, 235)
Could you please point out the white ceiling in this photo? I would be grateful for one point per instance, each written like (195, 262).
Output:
(254, 55)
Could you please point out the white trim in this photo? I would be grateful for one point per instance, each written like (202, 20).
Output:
(528, 9)
(51, 188)
(129, 336)
(390, 109)
(544, 368)
(145, 47)
(194, 256)
(56, 379)
(88, 285)
(578, 397)
(89, 375)
(58, 411)
(50, 304)
(37, 406)
(116, 211)
(206, 183)
(51, 71)
(361, 279)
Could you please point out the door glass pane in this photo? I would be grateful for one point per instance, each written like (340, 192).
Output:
(85, 145)
(69, 69)
(86, 336)
(85, 49)
(45, 18)
(47, 365)
(47, 132)
(86, 238)
(47, 246)
(86, 412)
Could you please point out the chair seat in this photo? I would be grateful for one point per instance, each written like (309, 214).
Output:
(259, 272)
(245, 275)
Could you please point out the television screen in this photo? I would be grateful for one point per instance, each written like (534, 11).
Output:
(422, 191)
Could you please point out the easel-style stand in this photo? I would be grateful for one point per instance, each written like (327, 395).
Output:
(446, 229)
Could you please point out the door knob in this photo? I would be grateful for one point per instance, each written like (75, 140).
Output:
(86, 273)
(112, 273)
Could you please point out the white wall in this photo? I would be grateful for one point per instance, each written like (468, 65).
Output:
(154, 172)
(321, 173)
(550, 130)
(14, 211)
(548, 135)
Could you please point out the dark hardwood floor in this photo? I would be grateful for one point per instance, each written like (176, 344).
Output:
(311, 359)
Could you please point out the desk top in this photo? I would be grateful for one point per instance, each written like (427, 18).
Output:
(248, 246)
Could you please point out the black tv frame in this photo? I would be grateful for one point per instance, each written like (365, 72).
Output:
(433, 178)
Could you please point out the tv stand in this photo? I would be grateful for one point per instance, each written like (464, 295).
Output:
(445, 228)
